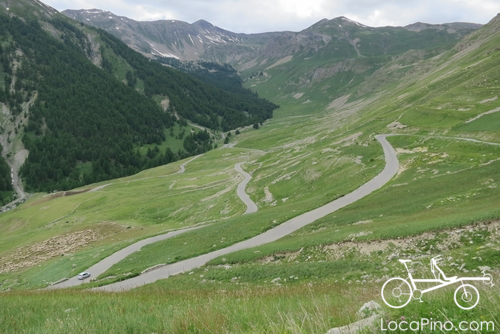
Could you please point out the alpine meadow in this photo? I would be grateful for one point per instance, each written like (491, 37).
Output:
(220, 182)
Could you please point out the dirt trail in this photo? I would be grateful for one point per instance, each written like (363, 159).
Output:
(182, 167)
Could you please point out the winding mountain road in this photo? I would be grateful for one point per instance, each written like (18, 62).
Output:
(240, 191)
(103, 265)
(273, 234)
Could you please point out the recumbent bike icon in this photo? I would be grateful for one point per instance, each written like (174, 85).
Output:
(397, 292)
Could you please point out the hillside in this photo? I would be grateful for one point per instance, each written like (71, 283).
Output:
(453, 94)
(335, 57)
(87, 108)
(440, 108)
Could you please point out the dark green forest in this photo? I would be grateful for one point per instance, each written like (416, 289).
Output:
(86, 126)
(223, 76)
(80, 115)
(219, 103)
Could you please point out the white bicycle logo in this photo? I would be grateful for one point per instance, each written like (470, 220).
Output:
(397, 292)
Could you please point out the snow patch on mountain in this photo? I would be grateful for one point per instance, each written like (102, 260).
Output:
(158, 53)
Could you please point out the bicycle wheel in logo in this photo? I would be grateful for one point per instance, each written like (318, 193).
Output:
(466, 296)
(396, 292)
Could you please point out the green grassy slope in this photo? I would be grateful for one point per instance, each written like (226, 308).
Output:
(335, 57)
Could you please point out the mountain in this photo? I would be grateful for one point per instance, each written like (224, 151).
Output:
(337, 54)
(203, 40)
(80, 106)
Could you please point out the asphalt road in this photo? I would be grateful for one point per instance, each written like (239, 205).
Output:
(276, 233)
(103, 265)
(240, 191)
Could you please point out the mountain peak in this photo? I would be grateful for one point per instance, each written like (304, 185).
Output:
(95, 11)
(337, 23)
(346, 20)
(203, 24)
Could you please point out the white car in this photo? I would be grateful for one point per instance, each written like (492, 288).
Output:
(83, 275)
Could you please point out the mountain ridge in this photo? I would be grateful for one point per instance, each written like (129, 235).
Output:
(156, 37)
(195, 41)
